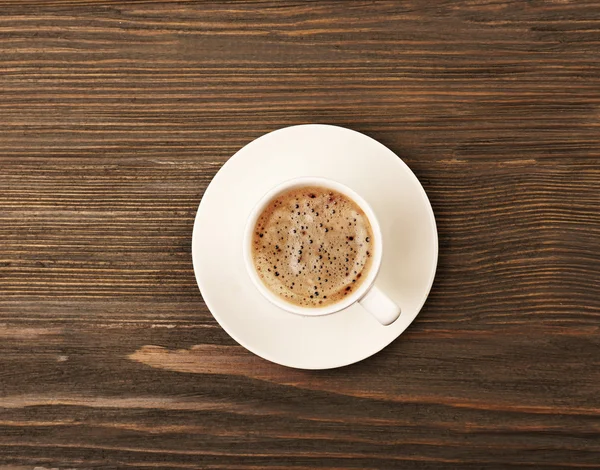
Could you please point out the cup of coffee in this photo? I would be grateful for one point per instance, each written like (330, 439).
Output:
(313, 246)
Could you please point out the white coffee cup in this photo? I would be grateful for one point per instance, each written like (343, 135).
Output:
(367, 294)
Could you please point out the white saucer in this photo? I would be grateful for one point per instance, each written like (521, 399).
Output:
(410, 244)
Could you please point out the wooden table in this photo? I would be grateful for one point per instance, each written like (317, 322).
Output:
(114, 117)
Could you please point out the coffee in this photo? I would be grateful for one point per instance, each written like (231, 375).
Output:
(312, 246)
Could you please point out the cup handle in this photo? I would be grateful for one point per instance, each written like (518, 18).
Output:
(380, 306)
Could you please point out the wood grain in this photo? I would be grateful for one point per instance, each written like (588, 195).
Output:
(114, 117)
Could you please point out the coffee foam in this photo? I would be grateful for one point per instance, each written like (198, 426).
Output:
(312, 246)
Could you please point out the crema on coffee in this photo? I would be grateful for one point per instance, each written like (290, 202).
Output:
(312, 246)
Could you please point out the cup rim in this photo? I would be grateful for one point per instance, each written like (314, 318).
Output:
(328, 183)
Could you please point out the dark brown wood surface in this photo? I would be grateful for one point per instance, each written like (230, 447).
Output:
(114, 117)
